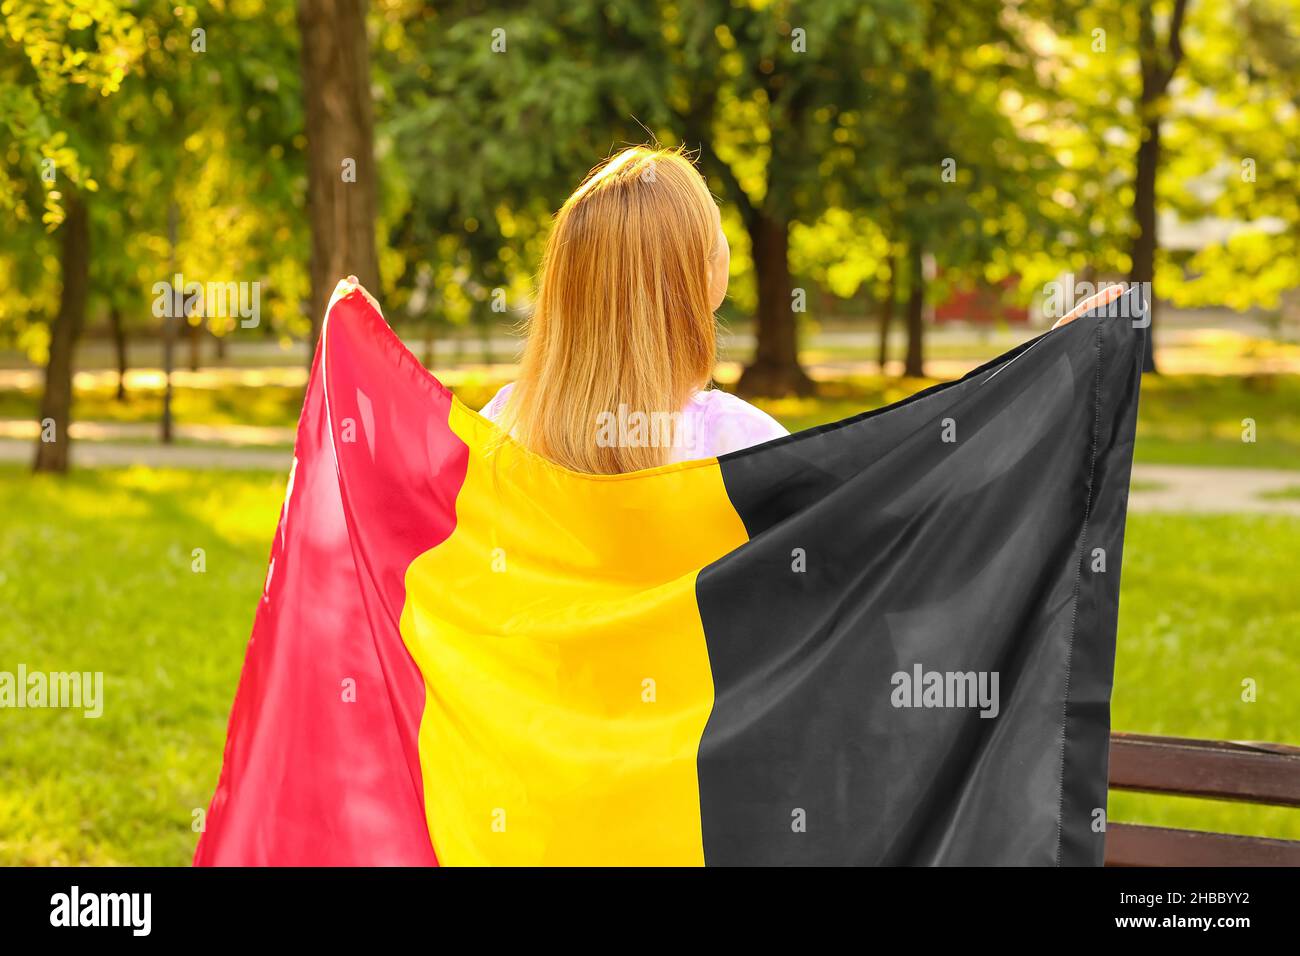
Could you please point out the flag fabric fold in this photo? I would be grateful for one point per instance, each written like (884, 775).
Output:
(888, 640)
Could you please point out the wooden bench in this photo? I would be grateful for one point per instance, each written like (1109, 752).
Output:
(1248, 772)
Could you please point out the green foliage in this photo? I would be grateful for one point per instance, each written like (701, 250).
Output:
(1233, 156)
(839, 115)
(57, 56)
(147, 106)
(1032, 106)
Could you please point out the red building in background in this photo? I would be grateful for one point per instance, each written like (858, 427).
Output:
(986, 304)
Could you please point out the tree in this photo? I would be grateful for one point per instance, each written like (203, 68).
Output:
(342, 193)
(1217, 160)
(1234, 131)
(136, 98)
(769, 96)
(1159, 60)
(515, 107)
(58, 58)
(952, 168)
(993, 140)
(56, 400)
(490, 130)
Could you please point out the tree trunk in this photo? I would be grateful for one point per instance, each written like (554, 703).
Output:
(887, 313)
(775, 371)
(195, 334)
(430, 342)
(56, 401)
(914, 364)
(221, 346)
(119, 348)
(485, 340)
(175, 313)
(340, 149)
(1159, 62)
(1143, 253)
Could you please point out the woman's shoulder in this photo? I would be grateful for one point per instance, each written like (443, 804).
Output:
(718, 402)
(719, 422)
(730, 423)
(493, 409)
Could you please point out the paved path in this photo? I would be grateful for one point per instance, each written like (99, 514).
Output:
(1167, 488)
(1213, 490)
(92, 454)
(147, 433)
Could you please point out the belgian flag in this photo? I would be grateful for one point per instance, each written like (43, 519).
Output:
(889, 640)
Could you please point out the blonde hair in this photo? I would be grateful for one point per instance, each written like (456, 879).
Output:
(623, 318)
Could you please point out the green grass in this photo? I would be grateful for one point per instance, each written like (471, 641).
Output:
(1289, 493)
(1139, 485)
(1198, 419)
(95, 574)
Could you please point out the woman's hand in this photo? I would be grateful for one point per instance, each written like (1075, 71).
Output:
(1106, 295)
(369, 298)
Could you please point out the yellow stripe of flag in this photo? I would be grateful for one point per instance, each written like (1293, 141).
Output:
(567, 675)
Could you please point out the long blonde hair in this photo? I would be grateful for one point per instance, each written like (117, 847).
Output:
(623, 317)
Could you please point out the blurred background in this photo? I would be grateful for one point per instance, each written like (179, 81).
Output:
(909, 187)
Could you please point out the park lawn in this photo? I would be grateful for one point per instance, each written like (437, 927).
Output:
(95, 574)
(1289, 493)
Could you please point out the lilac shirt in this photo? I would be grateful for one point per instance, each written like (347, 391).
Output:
(713, 423)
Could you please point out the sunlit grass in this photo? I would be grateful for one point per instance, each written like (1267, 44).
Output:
(1205, 419)
(1289, 493)
(95, 575)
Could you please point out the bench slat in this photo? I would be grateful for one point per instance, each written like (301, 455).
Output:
(1131, 845)
(1215, 769)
